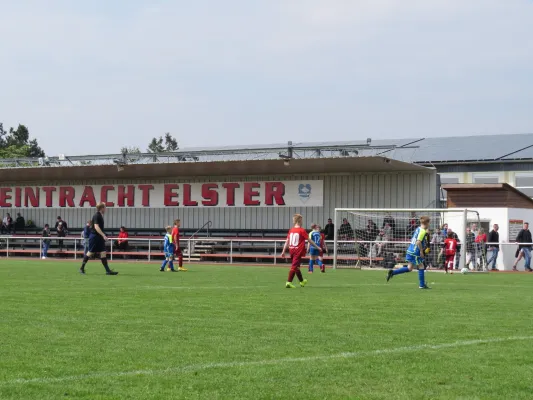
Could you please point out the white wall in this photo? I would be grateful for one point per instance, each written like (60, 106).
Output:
(501, 216)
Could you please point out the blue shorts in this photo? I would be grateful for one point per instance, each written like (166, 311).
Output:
(412, 259)
(96, 244)
(314, 252)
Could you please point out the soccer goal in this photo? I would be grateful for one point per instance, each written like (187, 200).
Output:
(380, 237)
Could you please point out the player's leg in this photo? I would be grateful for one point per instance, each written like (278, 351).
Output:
(320, 261)
(312, 259)
(171, 263)
(292, 272)
(179, 254)
(103, 259)
(164, 264)
(421, 277)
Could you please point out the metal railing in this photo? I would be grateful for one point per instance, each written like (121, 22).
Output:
(349, 252)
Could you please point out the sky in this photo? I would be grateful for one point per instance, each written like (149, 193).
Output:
(90, 77)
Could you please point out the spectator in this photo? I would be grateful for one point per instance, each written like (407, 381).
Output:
(481, 244)
(61, 229)
(85, 235)
(329, 230)
(524, 249)
(346, 229)
(46, 242)
(471, 255)
(413, 224)
(437, 241)
(122, 242)
(388, 233)
(389, 220)
(494, 247)
(7, 224)
(372, 229)
(20, 223)
(445, 230)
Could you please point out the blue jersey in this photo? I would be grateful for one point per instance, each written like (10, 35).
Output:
(316, 237)
(169, 244)
(418, 235)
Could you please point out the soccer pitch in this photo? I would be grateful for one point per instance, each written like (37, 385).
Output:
(228, 332)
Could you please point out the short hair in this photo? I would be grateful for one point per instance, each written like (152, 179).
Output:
(424, 220)
(46, 226)
(297, 219)
(450, 234)
(58, 217)
(168, 229)
(123, 227)
(177, 221)
(313, 226)
(100, 206)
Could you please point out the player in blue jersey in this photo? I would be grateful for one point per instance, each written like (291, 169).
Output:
(415, 254)
(168, 249)
(314, 253)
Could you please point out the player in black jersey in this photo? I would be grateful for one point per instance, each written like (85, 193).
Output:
(97, 239)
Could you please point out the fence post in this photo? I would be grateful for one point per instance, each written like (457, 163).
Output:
(111, 250)
(40, 247)
(275, 251)
(231, 251)
(7, 247)
(75, 249)
(189, 249)
(149, 248)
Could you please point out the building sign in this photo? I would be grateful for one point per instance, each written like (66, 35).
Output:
(219, 194)
(515, 226)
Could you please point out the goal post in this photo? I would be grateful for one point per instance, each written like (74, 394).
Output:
(379, 237)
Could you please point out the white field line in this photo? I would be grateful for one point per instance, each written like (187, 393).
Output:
(259, 363)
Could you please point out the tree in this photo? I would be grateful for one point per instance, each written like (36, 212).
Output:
(130, 150)
(160, 145)
(16, 143)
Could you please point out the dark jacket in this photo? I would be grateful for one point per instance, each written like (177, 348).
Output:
(494, 237)
(470, 241)
(329, 231)
(524, 236)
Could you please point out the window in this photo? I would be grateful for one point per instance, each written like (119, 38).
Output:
(485, 178)
(447, 180)
(524, 183)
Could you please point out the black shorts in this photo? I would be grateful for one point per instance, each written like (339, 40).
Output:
(96, 244)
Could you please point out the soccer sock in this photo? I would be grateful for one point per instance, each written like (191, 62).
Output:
(311, 263)
(171, 264)
(299, 275)
(180, 260)
(319, 263)
(401, 270)
(85, 260)
(164, 265)
(421, 279)
(104, 263)
(291, 275)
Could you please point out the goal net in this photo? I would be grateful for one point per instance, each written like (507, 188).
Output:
(379, 238)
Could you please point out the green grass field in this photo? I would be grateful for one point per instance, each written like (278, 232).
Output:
(226, 332)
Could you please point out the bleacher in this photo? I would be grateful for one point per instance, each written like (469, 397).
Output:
(216, 245)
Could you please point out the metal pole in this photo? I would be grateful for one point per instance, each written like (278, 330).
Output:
(335, 239)
(149, 248)
(463, 239)
(111, 250)
(40, 247)
(75, 249)
(275, 251)
(189, 249)
(7, 247)
(231, 251)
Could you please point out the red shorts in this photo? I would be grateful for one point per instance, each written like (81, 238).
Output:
(450, 259)
(296, 259)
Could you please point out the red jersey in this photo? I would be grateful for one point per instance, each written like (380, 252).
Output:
(481, 238)
(176, 236)
(323, 240)
(450, 247)
(297, 237)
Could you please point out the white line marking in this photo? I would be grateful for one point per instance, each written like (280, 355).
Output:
(204, 287)
(239, 364)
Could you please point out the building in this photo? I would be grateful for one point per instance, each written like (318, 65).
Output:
(232, 190)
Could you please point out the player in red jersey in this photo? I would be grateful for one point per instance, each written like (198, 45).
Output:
(296, 244)
(176, 241)
(450, 249)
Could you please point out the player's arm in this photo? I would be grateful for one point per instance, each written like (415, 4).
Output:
(285, 247)
(313, 244)
(420, 239)
(309, 241)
